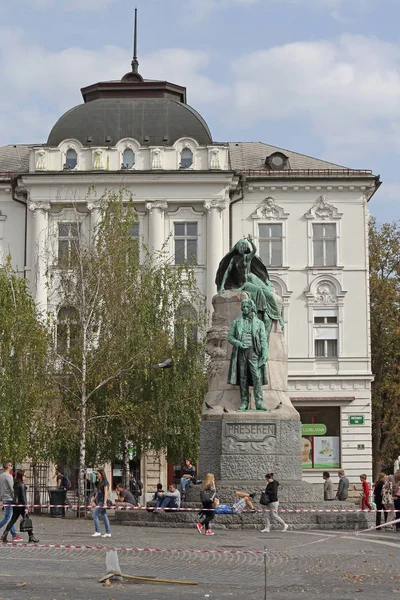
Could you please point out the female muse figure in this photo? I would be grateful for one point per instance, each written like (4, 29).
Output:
(241, 269)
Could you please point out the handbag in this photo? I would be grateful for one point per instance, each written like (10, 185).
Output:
(264, 498)
(25, 524)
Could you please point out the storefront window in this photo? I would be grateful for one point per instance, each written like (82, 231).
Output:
(320, 437)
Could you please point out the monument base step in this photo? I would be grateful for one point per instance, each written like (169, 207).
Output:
(256, 521)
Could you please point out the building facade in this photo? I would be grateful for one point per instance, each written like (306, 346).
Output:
(308, 218)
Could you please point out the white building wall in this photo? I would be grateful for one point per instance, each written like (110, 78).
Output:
(163, 197)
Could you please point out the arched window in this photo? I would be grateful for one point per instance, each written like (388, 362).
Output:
(67, 329)
(71, 159)
(186, 158)
(186, 332)
(128, 159)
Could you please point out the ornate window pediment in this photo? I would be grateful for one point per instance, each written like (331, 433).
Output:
(269, 210)
(322, 210)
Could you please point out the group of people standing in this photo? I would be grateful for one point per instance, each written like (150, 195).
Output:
(12, 493)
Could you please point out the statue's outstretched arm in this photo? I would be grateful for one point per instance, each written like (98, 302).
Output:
(253, 251)
(225, 277)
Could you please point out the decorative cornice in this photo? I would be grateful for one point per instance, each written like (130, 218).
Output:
(33, 206)
(158, 205)
(218, 203)
(269, 210)
(323, 210)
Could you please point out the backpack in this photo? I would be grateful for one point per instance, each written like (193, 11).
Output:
(66, 482)
(224, 509)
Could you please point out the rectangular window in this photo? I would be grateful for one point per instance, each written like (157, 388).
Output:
(135, 232)
(324, 245)
(326, 320)
(68, 241)
(320, 437)
(186, 240)
(270, 244)
(326, 349)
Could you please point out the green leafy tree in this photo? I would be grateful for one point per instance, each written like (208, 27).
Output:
(26, 397)
(384, 256)
(118, 307)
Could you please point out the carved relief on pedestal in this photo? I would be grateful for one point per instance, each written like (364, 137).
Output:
(241, 437)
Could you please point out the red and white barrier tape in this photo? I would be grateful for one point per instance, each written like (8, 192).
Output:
(195, 550)
(184, 509)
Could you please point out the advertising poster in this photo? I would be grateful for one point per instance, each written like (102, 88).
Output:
(326, 452)
(306, 452)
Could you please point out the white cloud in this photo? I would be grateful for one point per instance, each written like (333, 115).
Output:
(71, 5)
(39, 84)
(348, 91)
(202, 9)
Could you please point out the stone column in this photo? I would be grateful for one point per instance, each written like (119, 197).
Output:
(214, 247)
(40, 253)
(94, 207)
(156, 223)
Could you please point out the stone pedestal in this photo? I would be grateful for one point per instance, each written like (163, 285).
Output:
(246, 445)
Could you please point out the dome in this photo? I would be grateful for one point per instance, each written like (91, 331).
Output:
(150, 121)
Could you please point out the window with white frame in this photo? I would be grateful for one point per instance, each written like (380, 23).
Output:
(71, 159)
(324, 244)
(68, 241)
(186, 242)
(270, 244)
(186, 332)
(326, 333)
(67, 329)
(186, 158)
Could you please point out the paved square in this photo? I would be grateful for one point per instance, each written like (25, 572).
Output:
(230, 564)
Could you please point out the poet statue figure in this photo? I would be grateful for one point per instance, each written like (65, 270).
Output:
(241, 269)
(249, 355)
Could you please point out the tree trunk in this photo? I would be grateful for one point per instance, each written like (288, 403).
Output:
(36, 491)
(82, 455)
(126, 470)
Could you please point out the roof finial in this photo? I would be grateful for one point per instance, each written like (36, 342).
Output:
(135, 63)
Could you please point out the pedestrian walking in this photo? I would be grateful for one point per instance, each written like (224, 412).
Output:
(396, 498)
(64, 483)
(272, 507)
(208, 497)
(328, 486)
(387, 499)
(365, 493)
(100, 499)
(6, 497)
(21, 510)
(378, 499)
(343, 487)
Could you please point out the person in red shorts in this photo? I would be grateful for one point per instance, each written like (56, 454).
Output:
(365, 493)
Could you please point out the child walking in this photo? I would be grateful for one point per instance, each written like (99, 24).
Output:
(365, 493)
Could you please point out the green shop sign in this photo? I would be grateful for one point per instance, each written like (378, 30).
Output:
(313, 429)
(356, 420)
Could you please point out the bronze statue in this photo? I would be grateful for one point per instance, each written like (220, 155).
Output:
(249, 355)
(242, 269)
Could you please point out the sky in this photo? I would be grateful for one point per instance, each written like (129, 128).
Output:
(319, 77)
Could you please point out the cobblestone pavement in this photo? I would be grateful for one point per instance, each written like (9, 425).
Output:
(230, 564)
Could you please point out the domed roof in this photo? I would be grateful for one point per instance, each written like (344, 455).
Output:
(150, 121)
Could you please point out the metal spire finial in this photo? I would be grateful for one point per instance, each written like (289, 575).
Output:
(135, 63)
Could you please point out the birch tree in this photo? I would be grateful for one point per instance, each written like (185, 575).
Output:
(26, 396)
(119, 304)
